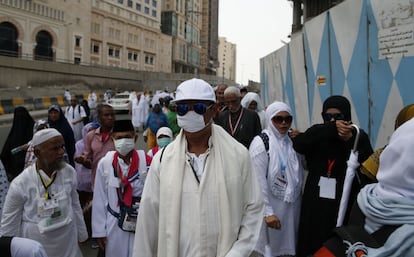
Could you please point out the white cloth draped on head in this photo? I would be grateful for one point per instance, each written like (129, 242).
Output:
(43, 135)
(281, 150)
(249, 97)
(396, 172)
(391, 200)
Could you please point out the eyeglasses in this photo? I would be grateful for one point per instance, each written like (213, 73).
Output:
(281, 119)
(199, 108)
(335, 116)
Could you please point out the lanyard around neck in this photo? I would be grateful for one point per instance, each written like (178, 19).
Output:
(233, 130)
(331, 163)
(46, 185)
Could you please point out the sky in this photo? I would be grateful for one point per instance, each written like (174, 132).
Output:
(258, 28)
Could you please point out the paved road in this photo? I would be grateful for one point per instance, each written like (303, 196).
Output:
(86, 248)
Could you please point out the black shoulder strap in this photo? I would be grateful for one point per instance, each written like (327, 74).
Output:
(265, 139)
(162, 152)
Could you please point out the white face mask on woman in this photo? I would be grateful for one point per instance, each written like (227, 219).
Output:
(124, 145)
(191, 122)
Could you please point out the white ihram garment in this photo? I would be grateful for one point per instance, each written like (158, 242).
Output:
(20, 212)
(104, 224)
(73, 114)
(219, 217)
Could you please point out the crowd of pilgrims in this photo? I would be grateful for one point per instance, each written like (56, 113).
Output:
(301, 173)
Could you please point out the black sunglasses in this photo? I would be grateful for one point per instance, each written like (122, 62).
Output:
(199, 108)
(281, 119)
(335, 116)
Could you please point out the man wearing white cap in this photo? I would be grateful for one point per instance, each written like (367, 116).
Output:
(42, 203)
(119, 182)
(201, 195)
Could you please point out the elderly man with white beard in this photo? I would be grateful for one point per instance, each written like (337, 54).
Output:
(42, 202)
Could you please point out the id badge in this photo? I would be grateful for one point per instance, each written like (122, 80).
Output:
(129, 222)
(279, 186)
(46, 208)
(327, 188)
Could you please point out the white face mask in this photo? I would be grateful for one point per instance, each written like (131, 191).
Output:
(191, 122)
(124, 145)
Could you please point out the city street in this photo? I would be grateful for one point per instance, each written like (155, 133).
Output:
(86, 247)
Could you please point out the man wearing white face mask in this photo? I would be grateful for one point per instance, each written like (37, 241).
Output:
(119, 182)
(201, 196)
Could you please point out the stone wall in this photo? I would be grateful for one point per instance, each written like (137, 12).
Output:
(29, 78)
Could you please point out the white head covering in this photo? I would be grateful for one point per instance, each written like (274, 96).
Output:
(274, 109)
(281, 152)
(164, 131)
(43, 135)
(396, 171)
(391, 200)
(39, 123)
(195, 89)
(249, 97)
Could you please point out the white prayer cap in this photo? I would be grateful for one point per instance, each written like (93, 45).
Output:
(195, 89)
(164, 131)
(43, 135)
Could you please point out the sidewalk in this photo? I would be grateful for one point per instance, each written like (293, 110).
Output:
(87, 250)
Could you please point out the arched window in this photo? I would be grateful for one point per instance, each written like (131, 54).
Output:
(43, 50)
(8, 39)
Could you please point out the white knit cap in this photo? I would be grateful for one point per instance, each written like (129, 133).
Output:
(195, 89)
(164, 131)
(43, 135)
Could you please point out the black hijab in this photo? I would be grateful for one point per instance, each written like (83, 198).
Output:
(62, 125)
(20, 133)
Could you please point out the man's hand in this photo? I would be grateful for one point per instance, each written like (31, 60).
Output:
(272, 221)
(82, 159)
(101, 242)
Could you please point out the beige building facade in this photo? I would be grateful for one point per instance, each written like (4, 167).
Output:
(227, 59)
(117, 33)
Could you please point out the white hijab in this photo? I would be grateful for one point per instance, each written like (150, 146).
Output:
(396, 172)
(249, 97)
(280, 147)
(391, 200)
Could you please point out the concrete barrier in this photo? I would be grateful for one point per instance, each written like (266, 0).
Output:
(7, 105)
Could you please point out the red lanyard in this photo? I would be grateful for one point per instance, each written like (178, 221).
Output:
(331, 163)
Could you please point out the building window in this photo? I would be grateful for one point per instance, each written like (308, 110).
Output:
(149, 59)
(132, 56)
(77, 60)
(146, 10)
(129, 3)
(96, 27)
(95, 47)
(77, 41)
(147, 1)
(138, 7)
(154, 3)
(120, 1)
(154, 13)
(114, 51)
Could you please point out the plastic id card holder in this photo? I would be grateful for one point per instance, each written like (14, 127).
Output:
(327, 188)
